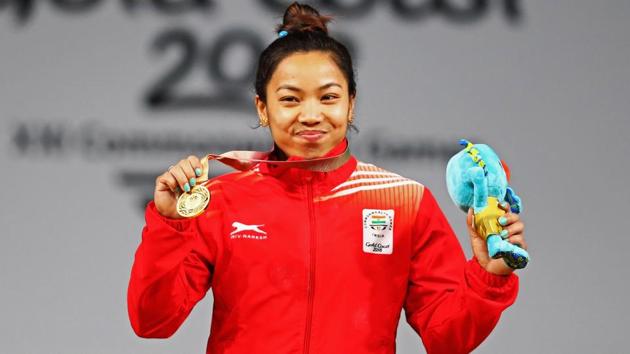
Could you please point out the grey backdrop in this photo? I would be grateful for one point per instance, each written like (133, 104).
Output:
(545, 83)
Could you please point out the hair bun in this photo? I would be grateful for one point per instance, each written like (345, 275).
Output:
(303, 18)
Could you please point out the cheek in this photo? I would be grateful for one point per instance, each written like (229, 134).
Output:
(282, 124)
(281, 118)
(339, 113)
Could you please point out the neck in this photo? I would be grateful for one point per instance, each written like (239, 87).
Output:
(279, 155)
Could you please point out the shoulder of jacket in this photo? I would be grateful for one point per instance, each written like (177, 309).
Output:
(369, 178)
(369, 171)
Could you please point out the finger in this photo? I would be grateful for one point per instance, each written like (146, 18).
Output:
(508, 219)
(189, 171)
(505, 206)
(514, 229)
(195, 163)
(181, 178)
(518, 240)
(166, 181)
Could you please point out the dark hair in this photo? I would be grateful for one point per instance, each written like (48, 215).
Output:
(306, 32)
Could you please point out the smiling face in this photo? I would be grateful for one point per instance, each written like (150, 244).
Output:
(308, 105)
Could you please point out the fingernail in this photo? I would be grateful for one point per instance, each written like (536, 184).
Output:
(503, 220)
(505, 204)
(198, 172)
(503, 233)
(193, 181)
(187, 187)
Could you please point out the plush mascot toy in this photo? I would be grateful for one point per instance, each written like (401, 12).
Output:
(477, 178)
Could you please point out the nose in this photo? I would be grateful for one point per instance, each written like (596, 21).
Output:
(311, 114)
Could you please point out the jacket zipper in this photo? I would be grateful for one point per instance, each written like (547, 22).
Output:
(311, 275)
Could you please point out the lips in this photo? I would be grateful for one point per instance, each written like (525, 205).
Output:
(311, 135)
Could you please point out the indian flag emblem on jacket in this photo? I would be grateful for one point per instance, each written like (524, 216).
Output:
(378, 222)
(378, 231)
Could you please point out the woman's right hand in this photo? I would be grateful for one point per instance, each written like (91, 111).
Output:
(180, 177)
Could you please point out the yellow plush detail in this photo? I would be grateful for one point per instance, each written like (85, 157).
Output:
(487, 220)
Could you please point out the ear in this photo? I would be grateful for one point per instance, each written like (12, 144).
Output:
(261, 108)
(351, 108)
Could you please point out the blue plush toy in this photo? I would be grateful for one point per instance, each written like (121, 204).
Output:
(477, 178)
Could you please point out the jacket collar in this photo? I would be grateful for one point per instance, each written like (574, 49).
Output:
(322, 181)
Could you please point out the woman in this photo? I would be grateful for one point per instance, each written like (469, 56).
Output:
(320, 256)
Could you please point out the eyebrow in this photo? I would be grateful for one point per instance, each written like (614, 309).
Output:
(293, 88)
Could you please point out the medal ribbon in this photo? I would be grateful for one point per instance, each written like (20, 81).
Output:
(244, 160)
(194, 203)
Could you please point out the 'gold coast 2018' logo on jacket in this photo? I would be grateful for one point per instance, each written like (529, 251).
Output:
(378, 231)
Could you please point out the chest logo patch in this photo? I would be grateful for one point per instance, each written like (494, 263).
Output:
(248, 231)
(378, 231)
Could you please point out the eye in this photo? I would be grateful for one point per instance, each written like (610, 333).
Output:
(329, 97)
(289, 99)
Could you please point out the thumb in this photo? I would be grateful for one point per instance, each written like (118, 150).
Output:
(470, 218)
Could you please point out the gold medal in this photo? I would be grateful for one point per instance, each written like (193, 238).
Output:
(193, 203)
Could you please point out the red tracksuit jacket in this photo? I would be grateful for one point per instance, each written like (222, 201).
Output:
(315, 262)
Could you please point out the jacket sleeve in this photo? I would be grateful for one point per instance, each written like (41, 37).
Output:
(171, 272)
(453, 304)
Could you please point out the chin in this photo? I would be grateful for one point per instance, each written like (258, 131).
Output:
(312, 156)
(308, 153)
(310, 149)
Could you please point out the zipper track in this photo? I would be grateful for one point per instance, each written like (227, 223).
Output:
(311, 275)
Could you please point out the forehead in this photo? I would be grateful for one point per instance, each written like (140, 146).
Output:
(307, 69)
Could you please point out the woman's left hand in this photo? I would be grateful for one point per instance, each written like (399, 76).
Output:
(514, 227)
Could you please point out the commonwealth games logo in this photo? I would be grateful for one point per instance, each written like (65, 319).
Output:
(378, 231)
(378, 221)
